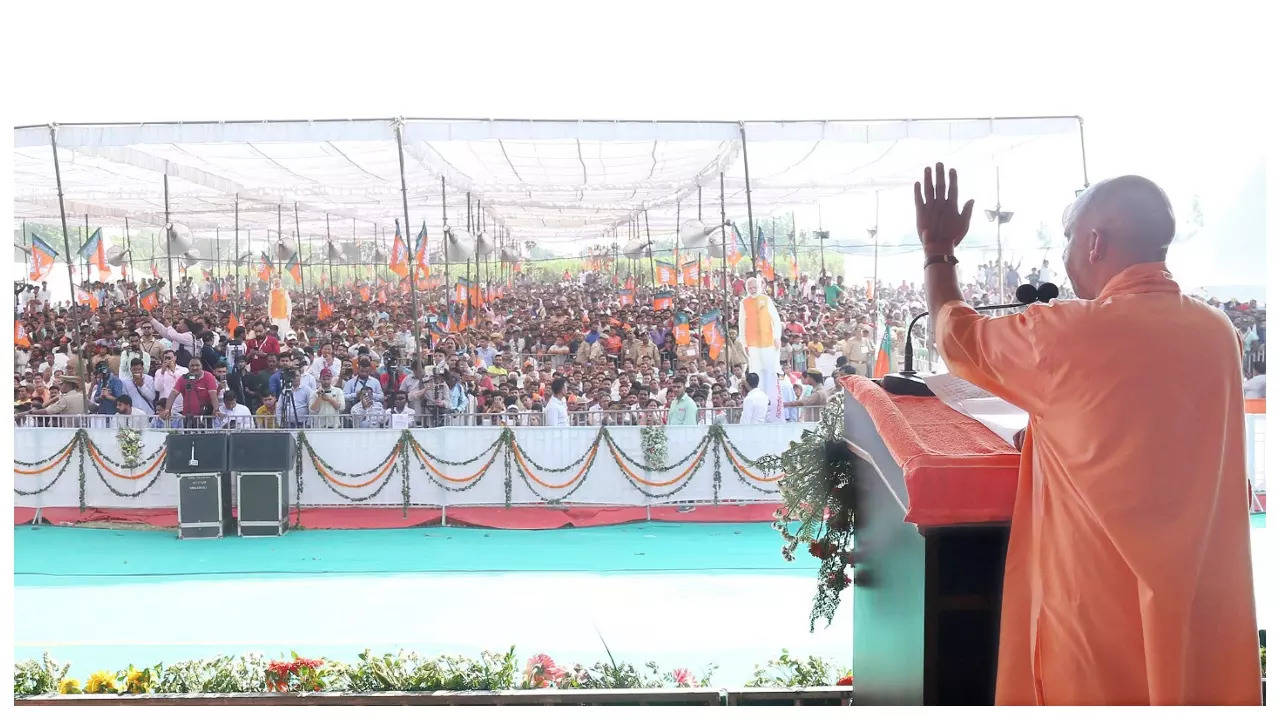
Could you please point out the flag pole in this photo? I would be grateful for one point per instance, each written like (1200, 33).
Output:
(168, 237)
(653, 273)
(444, 241)
(328, 250)
(724, 254)
(746, 172)
(66, 247)
(26, 259)
(302, 270)
(413, 275)
(236, 302)
(128, 248)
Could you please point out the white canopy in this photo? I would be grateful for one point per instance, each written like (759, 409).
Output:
(555, 183)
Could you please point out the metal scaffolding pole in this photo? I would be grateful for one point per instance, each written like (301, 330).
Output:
(413, 274)
(168, 236)
(236, 303)
(653, 273)
(746, 172)
(302, 270)
(66, 247)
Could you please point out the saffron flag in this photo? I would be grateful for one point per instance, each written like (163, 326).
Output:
(42, 255)
(399, 262)
(95, 251)
(365, 295)
(325, 310)
(626, 297)
(663, 300)
(382, 295)
(232, 324)
(248, 293)
(266, 268)
(764, 255)
(795, 269)
(681, 328)
(689, 273)
(631, 283)
(712, 334)
(882, 355)
(155, 271)
(666, 272)
(420, 254)
(20, 338)
(294, 267)
(149, 299)
(735, 243)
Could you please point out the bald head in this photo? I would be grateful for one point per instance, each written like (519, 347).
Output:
(1114, 224)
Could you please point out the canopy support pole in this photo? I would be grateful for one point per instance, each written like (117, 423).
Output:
(302, 269)
(413, 271)
(467, 318)
(128, 248)
(328, 250)
(168, 236)
(653, 274)
(217, 252)
(746, 172)
(444, 241)
(724, 254)
(875, 271)
(236, 303)
(66, 247)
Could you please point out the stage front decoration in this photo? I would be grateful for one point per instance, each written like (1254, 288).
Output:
(816, 476)
(442, 467)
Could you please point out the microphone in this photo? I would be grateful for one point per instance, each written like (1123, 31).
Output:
(908, 382)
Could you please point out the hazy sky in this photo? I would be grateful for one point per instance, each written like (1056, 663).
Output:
(1177, 96)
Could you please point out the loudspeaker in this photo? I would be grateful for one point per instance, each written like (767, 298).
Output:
(200, 506)
(264, 503)
(195, 453)
(262, 452)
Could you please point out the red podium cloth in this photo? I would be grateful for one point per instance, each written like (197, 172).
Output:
(956, 470)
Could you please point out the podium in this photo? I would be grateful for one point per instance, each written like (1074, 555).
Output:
(199, 459)
(935, 498)
(261, 463)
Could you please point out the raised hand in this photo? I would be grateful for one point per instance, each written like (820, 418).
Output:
(939, 222)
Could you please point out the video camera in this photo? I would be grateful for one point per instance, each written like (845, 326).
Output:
(288, 378)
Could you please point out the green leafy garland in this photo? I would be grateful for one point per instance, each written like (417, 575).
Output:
(819, 493)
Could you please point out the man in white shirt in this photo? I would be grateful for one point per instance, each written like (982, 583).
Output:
(755, 406)
(140, 387)
(166, 377)
(231, 414)
(325, 361)
(557, 412)
(327, 403)
(128, 416)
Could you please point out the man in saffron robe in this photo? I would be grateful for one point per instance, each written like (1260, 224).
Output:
(1128, 579)
(761, 333)
(280, 308)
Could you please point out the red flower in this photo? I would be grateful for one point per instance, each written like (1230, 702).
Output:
(846, 680)
(818, 549)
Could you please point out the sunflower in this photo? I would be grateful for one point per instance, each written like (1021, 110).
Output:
(101, 682)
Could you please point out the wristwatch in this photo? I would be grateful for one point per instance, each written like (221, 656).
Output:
(934, 259)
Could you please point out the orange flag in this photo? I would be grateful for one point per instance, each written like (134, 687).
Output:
(232, 324)
(20, 334)
(399, 262)
(365, 294)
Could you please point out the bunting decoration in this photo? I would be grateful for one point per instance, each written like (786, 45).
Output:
(399, 262)
(42, 256)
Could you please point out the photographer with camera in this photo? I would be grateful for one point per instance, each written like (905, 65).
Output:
(140, 387)
(106, 388)
(328, 402)
(361, 382)
(199, 392)
(293, 406)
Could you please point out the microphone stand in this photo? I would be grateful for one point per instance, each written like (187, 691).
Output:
(908, 382)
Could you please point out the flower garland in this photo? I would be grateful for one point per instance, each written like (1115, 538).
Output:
(653, 440)
(819, 491)
(130, 442)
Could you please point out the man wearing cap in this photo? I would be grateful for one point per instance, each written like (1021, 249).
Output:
(327, 403)
(70, 402)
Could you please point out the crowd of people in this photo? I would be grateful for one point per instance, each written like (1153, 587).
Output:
(590, 349)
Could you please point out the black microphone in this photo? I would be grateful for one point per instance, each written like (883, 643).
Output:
(908, 382)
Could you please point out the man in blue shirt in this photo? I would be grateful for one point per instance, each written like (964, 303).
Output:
(106, 388)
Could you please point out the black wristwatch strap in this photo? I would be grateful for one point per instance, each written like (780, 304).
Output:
(934, 259)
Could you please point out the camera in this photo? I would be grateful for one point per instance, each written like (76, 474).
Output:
(287, 379)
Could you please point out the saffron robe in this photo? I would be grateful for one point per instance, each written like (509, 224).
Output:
(1128, 578)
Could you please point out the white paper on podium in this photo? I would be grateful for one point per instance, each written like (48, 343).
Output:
(999, 416)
